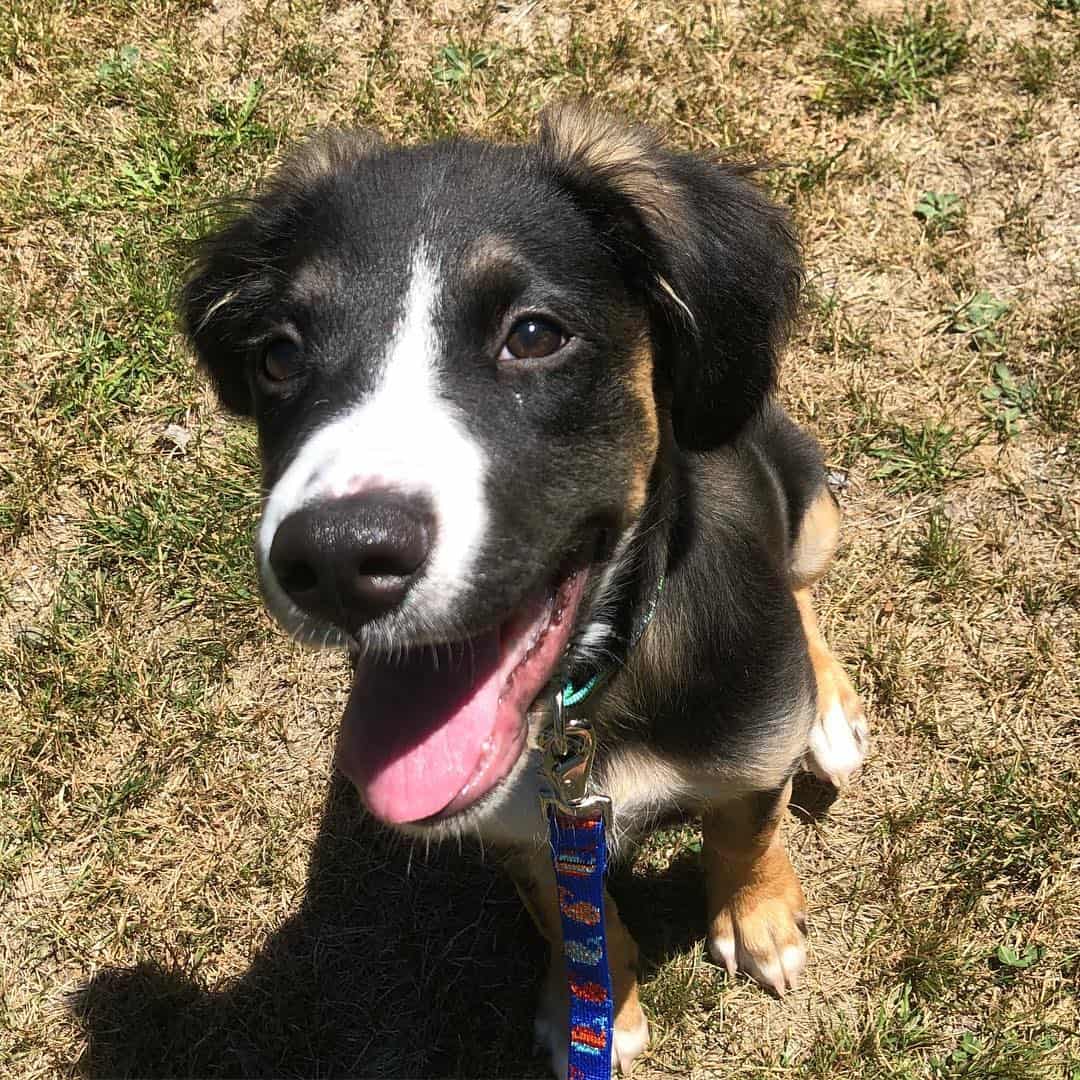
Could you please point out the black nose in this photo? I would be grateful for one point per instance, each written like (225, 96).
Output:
(349, 560)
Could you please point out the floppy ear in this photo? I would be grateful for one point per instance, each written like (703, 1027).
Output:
(717, 262)
(239, 264)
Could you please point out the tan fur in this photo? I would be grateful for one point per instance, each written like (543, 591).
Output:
(820, 653)
(323, 155)
(839, 738)
(626, 157)
(757, 911)
(641, 385)
(816, 543)
(834, 687)
(488, 252)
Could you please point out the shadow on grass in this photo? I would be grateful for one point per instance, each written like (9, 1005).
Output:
(664, 910)
(382, 972)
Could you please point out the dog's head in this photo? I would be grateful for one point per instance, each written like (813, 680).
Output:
(464, 361)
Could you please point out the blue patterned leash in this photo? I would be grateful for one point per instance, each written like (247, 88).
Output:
(577, 828)
(579, 851)
(577, 825)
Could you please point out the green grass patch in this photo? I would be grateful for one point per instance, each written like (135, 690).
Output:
(940, 554)
(877, 63)
(1036, 68)
(190, 533)
(926, 458)
(940, 212)
(1020, 841)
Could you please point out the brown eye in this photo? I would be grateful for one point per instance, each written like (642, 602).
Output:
(281, 360)
(533, 338)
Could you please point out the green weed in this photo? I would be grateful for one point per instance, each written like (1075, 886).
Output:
(922, 459)
(939, 212)
(236, 123)
(1006, 400)
(1036, 68)
(458, 65)
(978, 318)
(875, 63)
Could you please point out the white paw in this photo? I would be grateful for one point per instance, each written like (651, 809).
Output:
(777, 968)
(628, 1045)
(839, 740)
(550, 1027)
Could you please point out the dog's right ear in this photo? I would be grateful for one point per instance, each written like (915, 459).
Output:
(238, 265)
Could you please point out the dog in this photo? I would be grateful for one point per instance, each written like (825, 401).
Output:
(512, 400)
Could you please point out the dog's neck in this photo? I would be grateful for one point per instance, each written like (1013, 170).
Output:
(635, 578)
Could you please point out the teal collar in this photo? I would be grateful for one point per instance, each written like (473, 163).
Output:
(574, 695)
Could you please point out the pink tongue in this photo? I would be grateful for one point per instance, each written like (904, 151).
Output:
(414, 733)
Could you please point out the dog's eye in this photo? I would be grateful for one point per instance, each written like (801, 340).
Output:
(281, 360)
(533, 338)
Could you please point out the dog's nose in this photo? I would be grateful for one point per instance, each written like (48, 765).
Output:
(349, 560)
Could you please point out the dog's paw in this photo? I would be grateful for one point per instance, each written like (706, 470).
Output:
(551, 1030)
(761, 931)
(840, 736)
(630, 1042)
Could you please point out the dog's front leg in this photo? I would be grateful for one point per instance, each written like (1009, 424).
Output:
(757, 914)
(535, 880)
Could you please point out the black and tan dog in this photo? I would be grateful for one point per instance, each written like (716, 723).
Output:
(501, 391)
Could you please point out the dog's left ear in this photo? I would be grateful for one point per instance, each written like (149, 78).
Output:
(717, 261)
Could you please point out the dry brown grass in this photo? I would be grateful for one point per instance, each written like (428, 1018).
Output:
(180, 894)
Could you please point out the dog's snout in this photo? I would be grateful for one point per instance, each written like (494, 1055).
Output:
(350, 560)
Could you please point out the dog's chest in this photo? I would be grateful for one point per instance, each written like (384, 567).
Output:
(645, 787)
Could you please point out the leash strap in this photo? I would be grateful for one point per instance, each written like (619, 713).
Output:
(579, 853)
(577, 822)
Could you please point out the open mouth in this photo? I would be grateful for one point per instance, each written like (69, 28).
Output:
(427, 735)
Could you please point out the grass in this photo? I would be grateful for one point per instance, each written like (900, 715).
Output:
(186, 891)
(877, 63)
(940, 555)
(977, 318)
(922, 459)
(1007, 400)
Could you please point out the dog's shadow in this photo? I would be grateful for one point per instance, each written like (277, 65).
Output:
(387, 969)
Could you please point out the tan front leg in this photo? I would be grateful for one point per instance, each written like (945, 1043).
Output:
(757, 914)
(839, 738)
(535, 881)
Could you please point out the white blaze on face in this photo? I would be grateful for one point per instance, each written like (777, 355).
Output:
(403, 438)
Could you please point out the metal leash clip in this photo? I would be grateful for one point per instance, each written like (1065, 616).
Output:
(569, 748)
